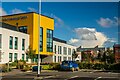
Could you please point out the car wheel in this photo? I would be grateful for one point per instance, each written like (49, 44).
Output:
(73, 69)
(77, 69)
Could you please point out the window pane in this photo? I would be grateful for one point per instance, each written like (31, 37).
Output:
(11, 42)
(22, 56)
(23, 44)
(16, 43)
(49, 40)
(41, 39)
(26, 57)
(10, 57)
(15, 56)
(0, 40)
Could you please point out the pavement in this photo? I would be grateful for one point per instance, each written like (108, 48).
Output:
(61, 75)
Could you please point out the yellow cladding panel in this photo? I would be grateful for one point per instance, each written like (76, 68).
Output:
(45, 23)
(32, 21)
(22, 20)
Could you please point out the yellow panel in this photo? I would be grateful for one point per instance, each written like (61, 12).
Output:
(31, 20)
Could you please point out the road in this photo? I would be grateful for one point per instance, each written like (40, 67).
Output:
(65, 75)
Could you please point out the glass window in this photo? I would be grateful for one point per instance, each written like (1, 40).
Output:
(27, 57)
(23, 44)
(60, 50)
(55, 49)
(15, 56)
(64, 58)
(60, 59)
(49, 40)
(54, 58)
(10, 57)
(23, 57)
(23, 29)
(69, 51)
(16, 43)
(0, 40)
(69, 58)
(41, 39)
(11, 42)
(65, 50)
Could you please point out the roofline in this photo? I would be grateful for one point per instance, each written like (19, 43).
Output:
(27, 13)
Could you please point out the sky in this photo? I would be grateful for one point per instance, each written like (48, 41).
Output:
(86, 24)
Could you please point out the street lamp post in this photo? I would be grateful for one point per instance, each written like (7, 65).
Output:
(39, 39)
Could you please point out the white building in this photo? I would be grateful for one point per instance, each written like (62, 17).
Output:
(62, 50)
(12, 44)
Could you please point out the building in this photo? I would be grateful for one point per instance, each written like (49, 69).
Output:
(33, 23)
(116, 49)
(12, 44)
(93, 51)
(62, 50)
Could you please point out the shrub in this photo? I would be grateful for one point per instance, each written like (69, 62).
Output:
(45, 67)
(98, 66)
(20, 64)
(4, 68)
(26, 68)
(115, 66)
(13, 63)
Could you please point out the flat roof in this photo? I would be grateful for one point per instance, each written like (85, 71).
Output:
(26, 13)
(59, 40)
(8, 26)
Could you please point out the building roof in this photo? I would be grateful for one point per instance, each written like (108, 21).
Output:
(26, 13)
(116, 45)
(59, 40)
(8, 26)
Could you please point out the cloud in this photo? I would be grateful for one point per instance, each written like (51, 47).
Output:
(2, 12)
(16, 11)
(58, 21)
(89, 37)
(32, 9)
(107, 22)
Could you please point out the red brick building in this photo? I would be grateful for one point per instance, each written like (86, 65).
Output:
(116, 49)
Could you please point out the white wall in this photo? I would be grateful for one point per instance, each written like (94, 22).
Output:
(6, 33)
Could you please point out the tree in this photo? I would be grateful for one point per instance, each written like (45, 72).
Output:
(74, 55)
(104, 57)
(108, 56)
(99, 56)
(31, 53)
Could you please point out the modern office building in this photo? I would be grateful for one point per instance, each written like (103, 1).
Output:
(33, 23)
(27, 29)
(62, 50)
(12, 44)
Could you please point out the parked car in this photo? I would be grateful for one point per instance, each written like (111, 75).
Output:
(69, 65)
(35, 68)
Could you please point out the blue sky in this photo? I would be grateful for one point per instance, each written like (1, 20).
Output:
(80, 23)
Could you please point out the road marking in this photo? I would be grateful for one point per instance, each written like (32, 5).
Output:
(98, 78)
(71, 77)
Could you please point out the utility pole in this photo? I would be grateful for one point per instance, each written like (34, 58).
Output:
(39, 39)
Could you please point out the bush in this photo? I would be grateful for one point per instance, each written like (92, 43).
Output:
(115, 66)
(13, 63)
(98, 66)
(20, 64)
(85, 65)
(55, 66)
(45, 67)
(26, 68)
(4, 68)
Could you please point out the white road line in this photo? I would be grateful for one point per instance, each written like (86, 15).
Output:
(71, 77)
(97, 78)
